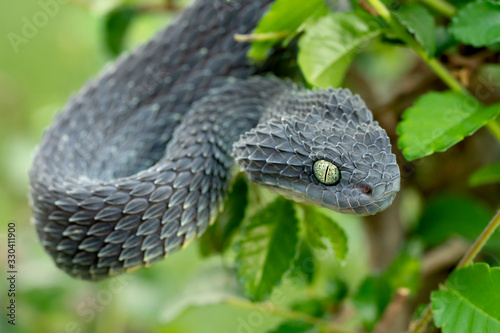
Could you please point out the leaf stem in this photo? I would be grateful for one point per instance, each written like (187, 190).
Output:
(494, 128)
(271, 308)
(466, 260)
(441, 71)
(402, 33)
(262, 37)
(480, 241)
(442, 7)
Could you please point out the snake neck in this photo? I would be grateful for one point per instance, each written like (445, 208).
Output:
(115, 184)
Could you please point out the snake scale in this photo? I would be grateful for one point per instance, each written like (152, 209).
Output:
(138, 163)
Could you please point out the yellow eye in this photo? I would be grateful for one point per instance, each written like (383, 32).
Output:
(326, 172)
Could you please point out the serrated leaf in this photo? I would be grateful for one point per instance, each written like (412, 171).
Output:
(218, 236)
(376, 291)
(116, 25)
(486, 175)
(284, 16)
(292, 326)
(447, 215)
(319, 227)
(421, 24)
(268, 248)
(477, 24)
(329, 45)
(470, 301)
(438, 120)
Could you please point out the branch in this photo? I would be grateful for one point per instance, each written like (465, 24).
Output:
(422, 322)
(442, 7)
(437, 67)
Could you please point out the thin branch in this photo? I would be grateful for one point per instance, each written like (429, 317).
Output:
(480, 241)
(402, 33)
(426, 317)
(265, 36)
(494, 128)
(442, 7)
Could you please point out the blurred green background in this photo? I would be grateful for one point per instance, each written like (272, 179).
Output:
(36, 78)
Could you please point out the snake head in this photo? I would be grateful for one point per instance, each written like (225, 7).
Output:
(330, 153)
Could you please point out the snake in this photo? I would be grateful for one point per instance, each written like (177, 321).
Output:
(139, 162)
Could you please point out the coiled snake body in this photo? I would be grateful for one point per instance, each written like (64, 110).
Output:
(138, 163)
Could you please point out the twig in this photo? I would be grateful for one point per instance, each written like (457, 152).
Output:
(265, 36)
(422, 322)
(402, 33)
(480, 241)
(442, 7)
(436, 66)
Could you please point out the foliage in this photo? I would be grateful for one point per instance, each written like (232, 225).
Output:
(270, 265)
(419, 22)
(469, 301)
(268, 247)
(328, 46)
(465, 25)
(437, 121)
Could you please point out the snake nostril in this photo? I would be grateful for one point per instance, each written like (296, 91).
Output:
(365, 188)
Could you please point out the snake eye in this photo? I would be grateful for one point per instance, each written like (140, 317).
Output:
(326, 172)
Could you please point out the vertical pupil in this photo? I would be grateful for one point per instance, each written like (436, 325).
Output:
(326, 173)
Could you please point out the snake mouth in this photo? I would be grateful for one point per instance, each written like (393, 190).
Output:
(370, 207)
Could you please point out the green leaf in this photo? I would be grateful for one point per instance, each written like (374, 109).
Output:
(116, 25)
(487, 175)
(320, 226)
(421, 24)
(292, 326)
(438, 120)
(448, 215)
(470, 301)
(376, 291)
(218, 236)
(477, 24)
(329, 45)
(305, 264)
(284, 16)
(268, 248)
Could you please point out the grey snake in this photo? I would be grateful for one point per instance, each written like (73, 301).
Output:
(138, 163)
